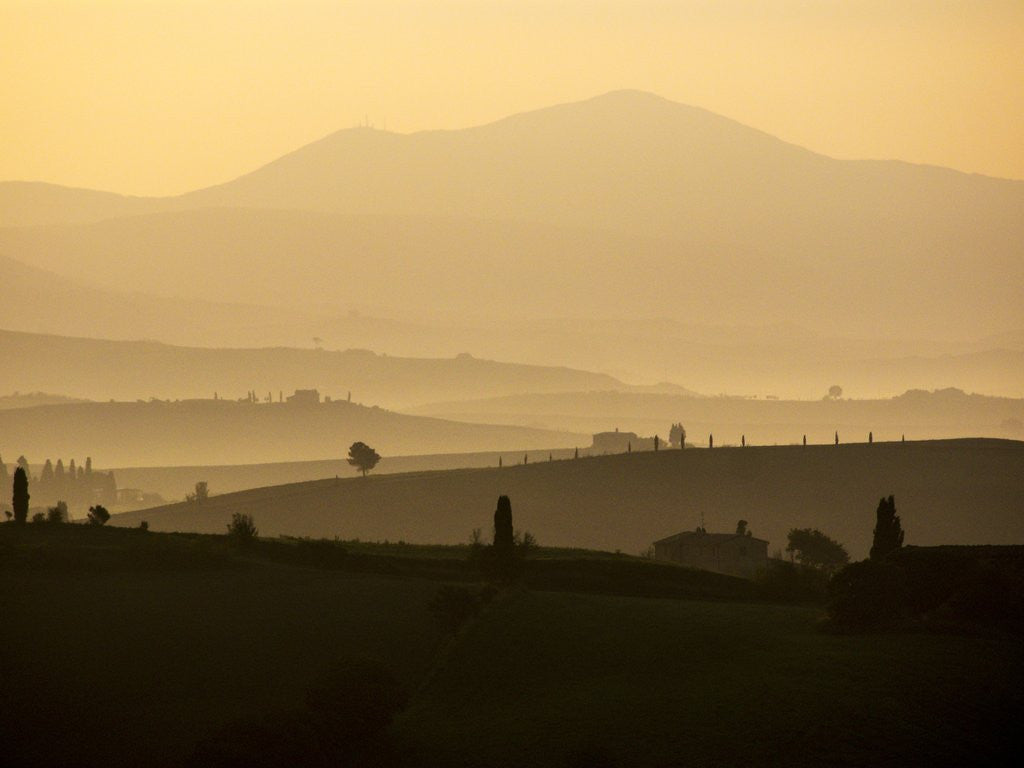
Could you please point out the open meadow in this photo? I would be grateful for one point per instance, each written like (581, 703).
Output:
(124, 647)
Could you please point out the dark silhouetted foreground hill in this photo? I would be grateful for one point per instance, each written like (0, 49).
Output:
(955, 491)
(174, 637)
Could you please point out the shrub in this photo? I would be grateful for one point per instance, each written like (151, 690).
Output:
(242, 528)
(144, 525)
(813, 548)
(98, 515)
(38, 517)
(57, 514)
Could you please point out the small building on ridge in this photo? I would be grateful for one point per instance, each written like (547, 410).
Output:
(733, 554)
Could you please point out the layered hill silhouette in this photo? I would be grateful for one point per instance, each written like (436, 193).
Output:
(625, 202)
(785, 360)
(102, 370)
(917, 414)
(959, 491)
(219, 432)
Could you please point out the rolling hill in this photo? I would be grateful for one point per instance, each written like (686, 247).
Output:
(959, 491)
(97, 369)
(917, 414)
(540, 678)
(160, 432)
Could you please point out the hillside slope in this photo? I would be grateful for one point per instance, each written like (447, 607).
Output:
(228, 432)
(96, 368)
(917, 414)
(958, 491)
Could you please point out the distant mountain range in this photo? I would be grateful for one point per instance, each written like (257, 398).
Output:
(619, 209)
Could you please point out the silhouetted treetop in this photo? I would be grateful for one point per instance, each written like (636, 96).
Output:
(888, 536)
(363, 457)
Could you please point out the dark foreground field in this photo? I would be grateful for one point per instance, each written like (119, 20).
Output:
(126, 648)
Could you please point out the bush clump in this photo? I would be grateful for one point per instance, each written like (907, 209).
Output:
(242, 528)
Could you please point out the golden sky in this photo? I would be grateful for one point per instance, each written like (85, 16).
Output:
(162, 96)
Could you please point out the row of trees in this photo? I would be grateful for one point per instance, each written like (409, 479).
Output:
(78, 485)
(58, 513)
(812, 548)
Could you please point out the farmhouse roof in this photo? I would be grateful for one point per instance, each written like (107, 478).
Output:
(717, 538)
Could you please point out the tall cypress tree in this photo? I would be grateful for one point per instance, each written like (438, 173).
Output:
(20, 495)
(503, 537)
(888, 530)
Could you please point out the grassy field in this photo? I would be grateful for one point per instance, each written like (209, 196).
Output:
(947, 492)
(567, 679)
(125, 648)
(129, 651)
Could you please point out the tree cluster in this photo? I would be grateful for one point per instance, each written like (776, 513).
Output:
(76, 485)
(677, 435)
(812, 548)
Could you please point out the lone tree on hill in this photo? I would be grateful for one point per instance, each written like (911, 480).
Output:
(812, 548)
(888, 530)
(363, 457)
(834, 392)
(20, 496)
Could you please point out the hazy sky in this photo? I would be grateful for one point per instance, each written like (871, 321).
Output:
(161, 96)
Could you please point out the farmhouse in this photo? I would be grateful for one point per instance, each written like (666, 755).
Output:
(620, 442)
(305, 397)
(734, 554)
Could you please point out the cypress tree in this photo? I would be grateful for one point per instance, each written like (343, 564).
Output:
(20, 495)
(504, 541)
(888, 530)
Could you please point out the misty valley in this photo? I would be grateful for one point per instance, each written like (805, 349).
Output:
(612, 433)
